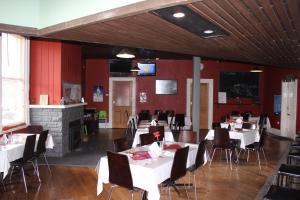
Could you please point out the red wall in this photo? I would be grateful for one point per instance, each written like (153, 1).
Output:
(71, 64)
(96, 73)
(52, 62)
(45, 70)
(165, 69)
(273, 77)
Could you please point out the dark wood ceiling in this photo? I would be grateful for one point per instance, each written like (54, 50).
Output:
(265, 32)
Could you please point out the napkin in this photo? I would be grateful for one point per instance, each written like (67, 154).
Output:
(172, 146)
(140, 155)
(154, 150)
(153, 122)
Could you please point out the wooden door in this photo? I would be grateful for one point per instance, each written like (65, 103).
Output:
(122, 102)
(203, 114)
(203, 106)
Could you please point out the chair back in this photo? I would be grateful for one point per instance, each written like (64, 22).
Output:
(121, 144)
(179, 164)
(262, 120)
(119, 170)
(163, 116)
(35, 129)
(262, 138)
(29, 148)
(246, 125)
(200, 154)
(179, 120)
(146, 139)
(221, 138)
(161, 130)
(41, 145)
(216, 125)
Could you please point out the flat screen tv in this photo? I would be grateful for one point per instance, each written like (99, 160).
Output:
(166, 87)
(240, 84)
(120, 66)
(146, 69)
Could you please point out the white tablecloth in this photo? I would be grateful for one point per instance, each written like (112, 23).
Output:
(144, 129)
(147, 174)
(256, 120)
(247, 136)
(15, 149)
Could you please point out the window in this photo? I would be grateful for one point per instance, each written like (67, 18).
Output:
(14, 80)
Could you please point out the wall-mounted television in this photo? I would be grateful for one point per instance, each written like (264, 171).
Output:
(240, 84)
(146, 69)
(166, 87)
(120, 66)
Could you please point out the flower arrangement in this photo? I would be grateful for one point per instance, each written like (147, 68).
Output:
(156, 134)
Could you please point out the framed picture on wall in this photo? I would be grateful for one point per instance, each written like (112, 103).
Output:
(71, 92)
(166, 87)
(98, 93)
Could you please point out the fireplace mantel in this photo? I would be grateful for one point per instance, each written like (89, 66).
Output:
(57, 106)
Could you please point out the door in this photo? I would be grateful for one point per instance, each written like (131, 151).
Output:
(288, 108)
(122, 103)
(203, 106)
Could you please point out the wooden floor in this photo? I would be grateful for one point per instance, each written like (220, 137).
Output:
(213, 182)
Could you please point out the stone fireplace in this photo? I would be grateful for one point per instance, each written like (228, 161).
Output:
(57, 119)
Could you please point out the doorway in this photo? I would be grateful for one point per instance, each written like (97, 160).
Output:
(122, 99)
(206, 102)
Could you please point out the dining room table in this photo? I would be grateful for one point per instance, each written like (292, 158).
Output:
(149, 172)
(143, 128)
(13, 149)
(246, 136)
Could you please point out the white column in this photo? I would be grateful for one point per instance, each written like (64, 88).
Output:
(196, 95)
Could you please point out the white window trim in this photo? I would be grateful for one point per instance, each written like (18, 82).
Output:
(26, 86)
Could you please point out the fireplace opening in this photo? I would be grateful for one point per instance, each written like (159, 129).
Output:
(74, 134)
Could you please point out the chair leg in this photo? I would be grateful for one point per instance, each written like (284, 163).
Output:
(212, 157)
(36, 168)
(131, 195)
(230, 154)
(257, 151)
(262, 149)
(47, 163)
(226, 156)
(169, 192)
(248, 155)
(195, 186)
(24, 179)
(110, 191)
(11, 172)
(187, 194)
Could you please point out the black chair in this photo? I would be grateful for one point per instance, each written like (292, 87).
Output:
(2, 181)
(281, 193)
(294, 155)
(129, 129)
(246, 125)
(178, 169)
(288, 171)
(200, 161)
(41, 148)
(146, 139)
(262, 120)
(163, 116)
(121, 144)
(258, 146)
(179, 121)
(28, 157)
(216, 125)
(234, 113)
(144, 115)
(160, 129)
(222, 141)
(119, 172)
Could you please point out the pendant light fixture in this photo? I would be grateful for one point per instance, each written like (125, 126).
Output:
(256, 69)
(125, 53)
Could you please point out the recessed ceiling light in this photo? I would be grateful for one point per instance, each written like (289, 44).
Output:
(208, 31)
(178, 15)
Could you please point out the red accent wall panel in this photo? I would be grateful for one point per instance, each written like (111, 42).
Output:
(71, 63)
(45, 70)
(179, 70)
(96, 73)
(273, 77)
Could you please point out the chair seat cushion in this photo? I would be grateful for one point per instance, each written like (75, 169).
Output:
(280, 193)
(253, 145)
